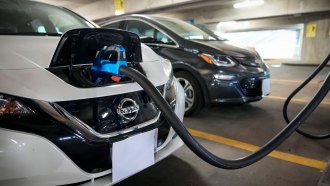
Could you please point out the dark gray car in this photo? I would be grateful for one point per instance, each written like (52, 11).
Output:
(209, 68)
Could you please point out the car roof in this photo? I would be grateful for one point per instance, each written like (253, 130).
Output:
(142, 16)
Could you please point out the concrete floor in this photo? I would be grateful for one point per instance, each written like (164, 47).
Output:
(253, 123)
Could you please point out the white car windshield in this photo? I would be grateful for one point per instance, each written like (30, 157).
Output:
(186, 30)
(19, 17)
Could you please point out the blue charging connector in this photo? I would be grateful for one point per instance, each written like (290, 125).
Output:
(108, 62)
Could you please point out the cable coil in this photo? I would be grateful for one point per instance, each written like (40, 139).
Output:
(206, 155)
(288, 100)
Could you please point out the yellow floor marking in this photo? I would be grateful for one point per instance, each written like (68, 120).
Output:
(252, 148)
(295, 81)
(276, 61)
(296, 100)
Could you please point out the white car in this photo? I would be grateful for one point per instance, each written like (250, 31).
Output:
(57, 125)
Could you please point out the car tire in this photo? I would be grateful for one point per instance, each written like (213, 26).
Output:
(193, 94)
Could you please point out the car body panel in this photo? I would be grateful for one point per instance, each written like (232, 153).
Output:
(26, 52)
(185, 55)
(49, 144)
(31, 159)
(45, 86)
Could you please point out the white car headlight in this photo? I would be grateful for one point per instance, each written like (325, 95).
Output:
(169, 73)
(219, 60)
(170, 93)
(11, 106)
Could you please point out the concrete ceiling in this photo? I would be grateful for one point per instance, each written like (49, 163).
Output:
(203, 11)
(71, 4)
(96, 9)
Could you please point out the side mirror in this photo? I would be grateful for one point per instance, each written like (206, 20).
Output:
(146, 39)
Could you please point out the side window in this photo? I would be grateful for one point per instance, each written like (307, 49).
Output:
(145, 30)
(38, 26)
(61, 23)
(114, 25)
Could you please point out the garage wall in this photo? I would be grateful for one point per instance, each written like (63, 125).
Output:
(315, 49)
(98, 9)
(95, 10)
(311, 50)
(273, 15)
(271, 8)
(105, 8)
(284, 44)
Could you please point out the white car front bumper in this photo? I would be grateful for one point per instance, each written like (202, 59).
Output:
(29, 159)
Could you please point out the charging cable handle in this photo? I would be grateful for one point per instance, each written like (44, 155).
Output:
(108, 62)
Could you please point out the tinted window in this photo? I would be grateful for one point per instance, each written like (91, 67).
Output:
(145, 30)
(27, 17)
(114, 25)
(185, 30)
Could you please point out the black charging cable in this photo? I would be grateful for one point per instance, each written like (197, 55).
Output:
(203, 153)
(288, 100)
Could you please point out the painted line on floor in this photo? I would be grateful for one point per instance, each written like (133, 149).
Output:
(296, 100)
(252, 148)
(294, 81)
(275, 61)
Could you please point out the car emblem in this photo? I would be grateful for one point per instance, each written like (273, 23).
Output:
(127, 110)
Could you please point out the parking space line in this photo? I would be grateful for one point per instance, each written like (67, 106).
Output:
(275, 61)
(252, 148)
(296, 100)
(294, 81)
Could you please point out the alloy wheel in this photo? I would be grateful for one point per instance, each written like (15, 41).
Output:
(188, 92)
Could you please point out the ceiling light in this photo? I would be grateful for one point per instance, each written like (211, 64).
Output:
(249, 3)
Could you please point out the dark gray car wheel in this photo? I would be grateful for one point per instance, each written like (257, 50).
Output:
(193, 94)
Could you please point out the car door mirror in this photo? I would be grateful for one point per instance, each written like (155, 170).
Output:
(145, 39)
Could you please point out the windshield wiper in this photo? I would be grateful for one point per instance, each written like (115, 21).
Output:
(206, 39)
(210, 39)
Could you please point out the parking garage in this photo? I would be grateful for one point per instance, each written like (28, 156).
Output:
(235, 63)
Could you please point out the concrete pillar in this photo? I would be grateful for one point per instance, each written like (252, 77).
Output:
(315, 49)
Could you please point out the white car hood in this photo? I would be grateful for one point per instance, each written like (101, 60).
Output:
(23, 60)
(26, 52)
